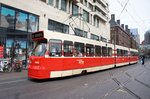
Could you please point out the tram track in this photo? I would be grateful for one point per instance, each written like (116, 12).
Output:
(121, 86)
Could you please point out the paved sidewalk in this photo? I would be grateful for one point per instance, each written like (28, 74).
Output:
(140, 83)
(13, 75)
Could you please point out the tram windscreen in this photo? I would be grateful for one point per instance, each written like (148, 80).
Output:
(39, 49)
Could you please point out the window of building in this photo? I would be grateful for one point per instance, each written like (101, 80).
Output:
(94, 21)
(15, 19)
(89, 50)
(85, 16)
(57, 3)
(44, 1)
(90, 6)
(98, 23)
(68, 48)
(64, 5)
(97, 50)
(55, 47)
(81, 33)
(94, 37)
(81, 1)
(33, 23)
(75, 10)
(7, 18)
(78, 49)
(21, 21)
(59, 27)
(51, 2)
(85, 3)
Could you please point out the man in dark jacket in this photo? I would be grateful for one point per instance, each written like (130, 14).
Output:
(143, 59)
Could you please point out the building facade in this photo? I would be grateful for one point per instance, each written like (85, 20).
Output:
(135, 35)
(120, 34)
(147, 38)
(19, 18)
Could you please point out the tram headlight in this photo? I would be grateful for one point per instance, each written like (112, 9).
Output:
(29, 61)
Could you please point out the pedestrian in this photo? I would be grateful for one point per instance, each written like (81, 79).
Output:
(143, 60)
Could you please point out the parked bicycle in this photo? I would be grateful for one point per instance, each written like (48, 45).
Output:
(7, 67)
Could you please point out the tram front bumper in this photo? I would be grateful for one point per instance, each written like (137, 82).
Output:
(35, 73)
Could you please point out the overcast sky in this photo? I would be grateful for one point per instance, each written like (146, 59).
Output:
(136, 14)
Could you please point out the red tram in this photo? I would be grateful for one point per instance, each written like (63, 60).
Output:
(59, 55)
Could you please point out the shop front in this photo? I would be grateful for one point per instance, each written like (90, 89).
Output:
(16, 27)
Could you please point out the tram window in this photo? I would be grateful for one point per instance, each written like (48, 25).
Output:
(78, 49)
(89, 50)
(104, 51)
(97, 50)
(109, 51)
(133, 53)
(121, 52)
(68, 48)
(126, 53)
(118, 52)
(55, 47)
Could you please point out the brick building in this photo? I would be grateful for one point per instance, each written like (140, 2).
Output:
(120, 34)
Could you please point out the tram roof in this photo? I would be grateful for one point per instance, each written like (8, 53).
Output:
(70, 37)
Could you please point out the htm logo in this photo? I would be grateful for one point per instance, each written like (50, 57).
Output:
(80, 61)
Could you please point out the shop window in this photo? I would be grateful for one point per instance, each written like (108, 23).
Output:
(97, 50)
(7, 18)
(33, 23)
(68, 48)
(78, 49)
(89, 50)
(21, 21)
(55, 47)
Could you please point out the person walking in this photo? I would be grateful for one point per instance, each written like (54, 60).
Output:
(143, 60)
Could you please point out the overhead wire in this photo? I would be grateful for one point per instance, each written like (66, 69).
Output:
(138, 15)
(124, 8)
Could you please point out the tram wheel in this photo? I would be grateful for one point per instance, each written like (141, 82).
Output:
(84, 72)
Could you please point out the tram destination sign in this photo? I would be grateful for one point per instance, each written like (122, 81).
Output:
(37, 35)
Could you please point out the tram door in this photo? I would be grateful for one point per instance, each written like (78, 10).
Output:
(16, 49)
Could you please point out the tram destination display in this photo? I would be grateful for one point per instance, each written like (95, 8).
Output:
(37, 35)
